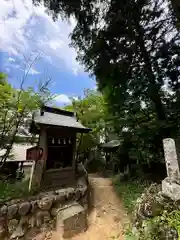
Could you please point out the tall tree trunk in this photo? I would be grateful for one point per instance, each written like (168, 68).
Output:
(153, 90)
(176, 9)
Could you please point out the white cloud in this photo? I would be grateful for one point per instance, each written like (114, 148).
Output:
(62, 98)
(10, 59)
(55, 44)
(95, 87)
(75, 98)
(30, 71)
(25, 28)
(15, 65)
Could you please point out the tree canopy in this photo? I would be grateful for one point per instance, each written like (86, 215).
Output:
(16, 106)
(176, 11)
(91, 111)
(132, 48)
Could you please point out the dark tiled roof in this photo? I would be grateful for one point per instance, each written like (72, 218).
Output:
(57, 111)
(61, 118)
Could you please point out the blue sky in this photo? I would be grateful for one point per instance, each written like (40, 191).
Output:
(30, 42)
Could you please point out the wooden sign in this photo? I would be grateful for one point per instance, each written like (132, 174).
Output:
(34, 153)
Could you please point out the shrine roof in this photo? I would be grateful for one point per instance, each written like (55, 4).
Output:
(58, 118)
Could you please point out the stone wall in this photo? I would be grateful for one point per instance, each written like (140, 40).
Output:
(24, 218)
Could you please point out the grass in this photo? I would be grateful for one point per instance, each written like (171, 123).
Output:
(130, 236)
(10, 191)
(129, 191)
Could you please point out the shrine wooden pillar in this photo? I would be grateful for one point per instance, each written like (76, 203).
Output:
(74, 153)
(39, 166)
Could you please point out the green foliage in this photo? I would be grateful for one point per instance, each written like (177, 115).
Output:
(97, 165)
(129, 191)
(9, 191)
(129, 235)
(158, 226)
(15, 107)
(92, 113)
(176, 12)
(173, 219)
(124, 44)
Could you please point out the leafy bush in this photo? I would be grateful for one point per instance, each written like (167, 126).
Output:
(129, 191)
(13, 190)
(96, 165)
(163, 226)
(155, 217)
(129, 235)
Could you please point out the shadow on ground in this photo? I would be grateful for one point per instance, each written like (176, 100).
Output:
(91, 198)
(104, 173)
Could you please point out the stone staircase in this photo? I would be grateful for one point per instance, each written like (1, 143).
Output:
(71, 220)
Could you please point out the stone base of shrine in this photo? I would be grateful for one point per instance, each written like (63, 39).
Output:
(171, 189)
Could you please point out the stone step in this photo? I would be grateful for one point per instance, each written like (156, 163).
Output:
(71, 220)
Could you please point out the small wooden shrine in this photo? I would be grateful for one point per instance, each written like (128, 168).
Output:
(55, 163)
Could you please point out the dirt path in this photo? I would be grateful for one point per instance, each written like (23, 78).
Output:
(107, 216)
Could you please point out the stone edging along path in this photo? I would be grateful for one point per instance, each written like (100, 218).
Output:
(22, 218)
